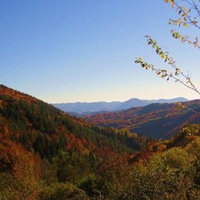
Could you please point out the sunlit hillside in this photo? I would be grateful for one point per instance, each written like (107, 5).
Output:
(158, 121)
(47, 154)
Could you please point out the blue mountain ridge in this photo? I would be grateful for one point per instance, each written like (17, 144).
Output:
(82, 108)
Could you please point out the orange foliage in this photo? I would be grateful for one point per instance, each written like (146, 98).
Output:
(16, 94)
(24, 167)
(154, 120)
(156, 146)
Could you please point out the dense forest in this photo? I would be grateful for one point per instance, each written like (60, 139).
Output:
(68, 147)
(49, 155)
(157, 120)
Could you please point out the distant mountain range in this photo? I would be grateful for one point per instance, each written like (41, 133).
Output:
(83, 108)
(156, 120)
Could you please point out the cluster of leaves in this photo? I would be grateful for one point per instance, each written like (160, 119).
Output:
(189, 14)
(175, 74)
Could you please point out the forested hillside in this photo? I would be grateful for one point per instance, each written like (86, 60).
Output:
(40, 126)
(46, 154)
(37, 131)
(158, 121)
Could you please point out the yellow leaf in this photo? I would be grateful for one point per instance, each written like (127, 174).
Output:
(182, 39)
(185, 24)
(185, 9)
(179, 21)
(194, 22)
(172, 3)
(184, 14)
(195, 44)
(162, 55)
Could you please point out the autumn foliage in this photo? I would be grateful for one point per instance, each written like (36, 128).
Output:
(47, 154)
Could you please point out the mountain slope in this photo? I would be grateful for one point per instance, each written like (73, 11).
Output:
(42, 128)
(154, 120)
(85, 108)
(47, 154)
(134, 102)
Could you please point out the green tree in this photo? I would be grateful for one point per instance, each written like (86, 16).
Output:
(62, 191)
(168, 175)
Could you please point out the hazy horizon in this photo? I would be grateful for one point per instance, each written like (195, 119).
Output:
(119, 100)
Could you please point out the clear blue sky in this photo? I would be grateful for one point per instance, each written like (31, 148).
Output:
(84, 50)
